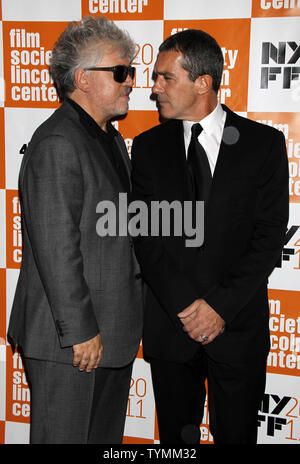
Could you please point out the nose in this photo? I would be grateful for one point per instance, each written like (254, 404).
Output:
(158, 86)
(129, 82)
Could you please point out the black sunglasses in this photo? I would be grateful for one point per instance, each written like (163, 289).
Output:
(120, 71)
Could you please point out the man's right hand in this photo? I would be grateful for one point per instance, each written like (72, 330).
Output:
(87, 355)
(201, 319)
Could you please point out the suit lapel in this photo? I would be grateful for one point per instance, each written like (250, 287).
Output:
(228, 152)
(121, 145)
(102, 156)
(108, 168)
(172, 162)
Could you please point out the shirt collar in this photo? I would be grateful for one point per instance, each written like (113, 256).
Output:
(209, 124)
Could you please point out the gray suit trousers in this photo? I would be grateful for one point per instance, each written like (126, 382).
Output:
(73, 407)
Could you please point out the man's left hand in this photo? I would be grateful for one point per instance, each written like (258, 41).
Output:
(201, 320)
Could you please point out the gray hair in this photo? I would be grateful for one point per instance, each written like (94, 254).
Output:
(81, 45)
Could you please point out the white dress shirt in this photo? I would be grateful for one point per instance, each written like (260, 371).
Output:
(211, 136)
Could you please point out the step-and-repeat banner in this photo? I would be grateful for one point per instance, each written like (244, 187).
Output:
(260, 40)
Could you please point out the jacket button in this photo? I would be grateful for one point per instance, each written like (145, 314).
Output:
(138, 276)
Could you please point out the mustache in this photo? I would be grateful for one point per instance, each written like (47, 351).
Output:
(127, 90)
(157, 98)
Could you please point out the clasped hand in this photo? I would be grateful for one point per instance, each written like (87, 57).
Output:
(201, 320)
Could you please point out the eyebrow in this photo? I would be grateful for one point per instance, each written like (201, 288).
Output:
(162, 73)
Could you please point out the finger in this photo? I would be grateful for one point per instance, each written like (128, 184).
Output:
(184, 315)
(93, 363)
(84, 363)
(76, 358)
(90, 366)
(95, 360)
(191, 323)
(188, 311)
(210, 337)
(196, 333)
(97, 363)
(197, 327)
(204, 341)
(100, 354)
(185, 321)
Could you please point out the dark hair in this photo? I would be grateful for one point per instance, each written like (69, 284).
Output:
(201, 54)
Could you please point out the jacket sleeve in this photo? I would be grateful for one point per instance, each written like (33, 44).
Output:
(252, 270)
(52, 198)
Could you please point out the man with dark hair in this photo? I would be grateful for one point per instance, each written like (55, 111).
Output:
(77, 312)
(206, 312)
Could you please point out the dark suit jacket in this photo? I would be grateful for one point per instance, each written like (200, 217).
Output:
(245, 224)
(73, 283)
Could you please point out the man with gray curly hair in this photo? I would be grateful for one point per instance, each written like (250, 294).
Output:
(77, 312)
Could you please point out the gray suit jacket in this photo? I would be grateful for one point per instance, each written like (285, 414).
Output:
(73, 283)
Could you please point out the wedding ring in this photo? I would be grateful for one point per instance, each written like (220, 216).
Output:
(204, 338)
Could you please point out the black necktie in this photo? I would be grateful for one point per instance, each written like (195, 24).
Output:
(198, 166)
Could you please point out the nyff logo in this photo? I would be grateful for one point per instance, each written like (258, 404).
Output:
(285, 54)
(279, 415)
(289, 251)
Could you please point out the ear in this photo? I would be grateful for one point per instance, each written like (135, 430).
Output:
(82, 80)
(204, 83)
